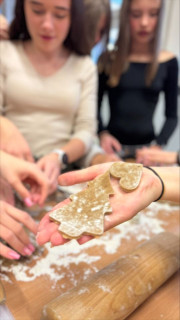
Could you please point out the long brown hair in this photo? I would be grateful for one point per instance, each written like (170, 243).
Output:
(76, 40)
(114, 63)
(94, 9)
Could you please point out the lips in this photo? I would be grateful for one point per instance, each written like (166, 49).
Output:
(46, 37)
(143, 33)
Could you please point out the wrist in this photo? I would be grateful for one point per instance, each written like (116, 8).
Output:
(61, 156)
(104, 132)
(158, 183)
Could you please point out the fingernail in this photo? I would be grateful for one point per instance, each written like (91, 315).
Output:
(28, 202)
(31, 247)
(14, 255)
(27, 251)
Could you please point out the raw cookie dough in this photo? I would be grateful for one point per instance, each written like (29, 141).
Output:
(129, 174)
(85, 214)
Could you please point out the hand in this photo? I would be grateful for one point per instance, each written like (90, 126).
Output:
(12, 232)
(18, 172)
(104, 157)
(109, 143)
(50, 165)
(12, 141)
(151, 156)
(125, 205)
(6, 191)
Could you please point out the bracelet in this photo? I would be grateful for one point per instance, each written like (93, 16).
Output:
(162, 183)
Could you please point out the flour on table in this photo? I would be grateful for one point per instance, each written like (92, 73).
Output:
(57, 261)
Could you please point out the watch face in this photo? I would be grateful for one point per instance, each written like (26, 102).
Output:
(65, 158)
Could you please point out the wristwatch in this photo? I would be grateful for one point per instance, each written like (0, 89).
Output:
(62, 156)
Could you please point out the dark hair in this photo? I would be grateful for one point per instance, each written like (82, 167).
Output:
(76, 40)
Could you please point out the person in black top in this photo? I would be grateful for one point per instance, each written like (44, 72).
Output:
(133, 75)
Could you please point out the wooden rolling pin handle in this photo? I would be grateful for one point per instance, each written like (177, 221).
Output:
(117, 290)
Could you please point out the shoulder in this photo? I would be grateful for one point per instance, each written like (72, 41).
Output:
(165, 56)
(83, 61)
(83, 66)
(8, 47)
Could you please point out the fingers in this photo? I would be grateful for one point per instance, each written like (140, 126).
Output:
(42, 187)
(20, 216)
(44, 235)
(29, 157)
(20, 188)
(84, 239)
(8, 253)
(83, 175)
(16, 241)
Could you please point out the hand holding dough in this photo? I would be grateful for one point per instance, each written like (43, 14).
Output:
(84, 215)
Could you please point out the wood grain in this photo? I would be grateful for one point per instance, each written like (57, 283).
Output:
(27, 299)
(117, 290)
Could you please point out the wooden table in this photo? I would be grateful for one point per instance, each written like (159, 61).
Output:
(74, 263)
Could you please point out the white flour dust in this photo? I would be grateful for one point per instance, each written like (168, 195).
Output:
(57, 260)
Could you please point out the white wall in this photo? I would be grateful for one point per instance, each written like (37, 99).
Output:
(170, 42)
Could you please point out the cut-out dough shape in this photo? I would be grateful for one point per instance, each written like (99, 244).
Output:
(129, 174)
(85, 213)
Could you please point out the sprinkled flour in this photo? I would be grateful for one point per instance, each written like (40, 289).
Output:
(58, 259)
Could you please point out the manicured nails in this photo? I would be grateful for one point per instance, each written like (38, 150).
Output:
(14, 255)
(28, 202)
(31, 247)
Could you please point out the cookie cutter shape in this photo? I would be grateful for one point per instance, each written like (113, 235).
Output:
(85, 213)
(129, 174)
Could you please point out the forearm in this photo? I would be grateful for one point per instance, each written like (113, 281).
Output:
(167, 130)
(171, 178)
(75, 149)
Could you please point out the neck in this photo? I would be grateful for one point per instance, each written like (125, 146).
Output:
(45, 56)
(140, 49)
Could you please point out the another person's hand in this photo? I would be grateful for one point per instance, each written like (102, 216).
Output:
(103, 158)
(18, 172)
(50, 166)
(12, 232)
(109, 143)
(6, 191)
(12, 141)
(124, 204)
(150, 157)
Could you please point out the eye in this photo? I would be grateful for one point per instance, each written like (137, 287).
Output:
(38, 12)
(154, 14)
(58, 16)
(61, 15)
(135, 14)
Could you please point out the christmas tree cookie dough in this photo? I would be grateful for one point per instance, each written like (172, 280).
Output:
(84, 215)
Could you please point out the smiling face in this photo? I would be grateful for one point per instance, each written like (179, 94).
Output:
(48, 22)
(143, 17)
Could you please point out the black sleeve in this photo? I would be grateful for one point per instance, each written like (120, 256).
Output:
(102, 88)
(171, 97)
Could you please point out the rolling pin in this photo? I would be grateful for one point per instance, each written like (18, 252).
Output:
(116, 291)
